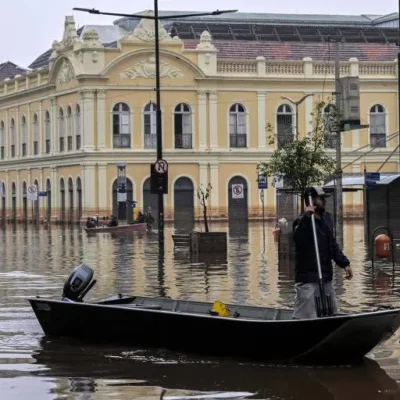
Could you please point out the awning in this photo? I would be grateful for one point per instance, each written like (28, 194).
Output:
(385, 179)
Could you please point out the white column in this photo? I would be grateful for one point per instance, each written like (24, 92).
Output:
(41, 136)
(101, 119)
(213, 114)
(89, 194)
(17, 134)
(29, 133)
(87, 112)
(8, 194)
(203, 174)
(19, 193)
(55, 207)
(202, 102)
(215, 185)
(308, 107)
(102, 187)
(7, 137)
(261, 119)
(41, 188)
(54, 127)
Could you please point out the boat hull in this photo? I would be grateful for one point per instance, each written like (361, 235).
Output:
(339, 339)
(120, 228)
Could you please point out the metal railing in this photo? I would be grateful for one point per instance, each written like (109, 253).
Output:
(150, 141)
(122, 141)
(183, 141)
(238, 140)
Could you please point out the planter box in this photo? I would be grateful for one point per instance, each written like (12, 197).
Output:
(205, 242)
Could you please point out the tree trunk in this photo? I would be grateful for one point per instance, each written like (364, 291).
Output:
(302, 203)
(205, 215)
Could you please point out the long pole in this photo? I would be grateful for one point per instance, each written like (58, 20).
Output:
(159, 127)
(339, 172)
(297, 121)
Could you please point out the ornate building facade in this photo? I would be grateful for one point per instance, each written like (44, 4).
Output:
(89, 103)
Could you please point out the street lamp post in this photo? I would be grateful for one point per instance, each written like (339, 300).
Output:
(156, 18)
(297, 103)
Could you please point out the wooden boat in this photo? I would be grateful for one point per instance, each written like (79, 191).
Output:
(119, 228)
(265, 334)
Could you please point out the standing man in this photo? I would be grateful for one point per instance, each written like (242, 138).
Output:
(307, 279)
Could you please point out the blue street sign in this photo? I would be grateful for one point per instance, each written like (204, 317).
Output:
(262, 182)
(42, 194)
(371, 178)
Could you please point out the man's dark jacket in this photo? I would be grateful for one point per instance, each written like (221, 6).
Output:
(306, 261)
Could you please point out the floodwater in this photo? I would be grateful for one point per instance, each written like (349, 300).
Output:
(37, 261)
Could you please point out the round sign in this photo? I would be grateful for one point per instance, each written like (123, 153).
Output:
(32, 189)
(161, 166)
(237, 190)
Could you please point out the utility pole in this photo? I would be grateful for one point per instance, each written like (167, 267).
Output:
(338, 172)
(156, 18)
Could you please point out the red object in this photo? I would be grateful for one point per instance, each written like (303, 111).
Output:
(382, 246)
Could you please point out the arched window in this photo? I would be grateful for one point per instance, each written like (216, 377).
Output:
(24, 135)
(47, 125)
(377, 126)
(150, 131)
(329, 136)
(69, 128)
(35, 124)
(78, 126)
(121, 126)
(2, 140)
(237, 126)
(61, 128)
(183, 126)
(284, 123)
(12, 137)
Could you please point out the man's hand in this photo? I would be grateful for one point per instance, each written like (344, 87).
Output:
(310, 210)
(349, 273)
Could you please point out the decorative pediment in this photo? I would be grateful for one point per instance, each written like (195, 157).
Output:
(66, 73)
(147, 69)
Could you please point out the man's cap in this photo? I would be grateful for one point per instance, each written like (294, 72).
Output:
(316, 191)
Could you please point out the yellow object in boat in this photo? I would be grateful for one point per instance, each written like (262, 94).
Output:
(220, 309)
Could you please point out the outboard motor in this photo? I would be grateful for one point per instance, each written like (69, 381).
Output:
(79, 283)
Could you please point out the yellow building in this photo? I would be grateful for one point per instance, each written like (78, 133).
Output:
(89, 103)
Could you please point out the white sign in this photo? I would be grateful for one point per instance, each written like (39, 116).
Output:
(277, 183)
(32, 192)
(121, 197)
(237, 191)
(161, 166)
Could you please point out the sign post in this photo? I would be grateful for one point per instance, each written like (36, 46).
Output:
(32, 194)
(262, 184)
(121, 192)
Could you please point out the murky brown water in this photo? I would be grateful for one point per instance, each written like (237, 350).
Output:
(36, 261)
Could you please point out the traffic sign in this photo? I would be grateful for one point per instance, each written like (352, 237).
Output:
(262, 182)
(237, 191)
(32, 192)
(161, 166)
(158, 180)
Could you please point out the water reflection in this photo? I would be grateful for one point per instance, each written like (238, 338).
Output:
(37, 260)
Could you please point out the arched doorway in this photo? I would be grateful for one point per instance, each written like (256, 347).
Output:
(150, 201)
(13, 201)
(79, 198)
(24, 202)
(48, 193)
(62, 200)
(238, 199)
(123, 210)
(36, 203)
(184, 204)
(70, 200)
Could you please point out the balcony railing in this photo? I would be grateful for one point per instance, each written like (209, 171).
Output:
(47, 146)
(35, 148)
(283, 139)
(122, 141)
(69, 143)
(23, 149)
(238, 140)
(150, 141)
(61, 144)
(183, 141)
(78, 142)
(378, 140)
(13, 150)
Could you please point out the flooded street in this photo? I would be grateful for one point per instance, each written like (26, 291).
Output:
(37, 261)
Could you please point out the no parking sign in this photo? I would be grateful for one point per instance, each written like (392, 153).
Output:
(32, 192)
(237, 191)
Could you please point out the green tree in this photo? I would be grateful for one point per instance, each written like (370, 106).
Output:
(303, 162)
(203, 193)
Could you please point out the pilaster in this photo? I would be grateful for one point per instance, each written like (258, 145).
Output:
(53, 126)
(102, 187)
(87, 127)
(308, 107)
(214, 175)
(88, 190)
(261, 119)
(101, 119)
(55, 207)
(213, 115)
(17, 142)
(202, 104)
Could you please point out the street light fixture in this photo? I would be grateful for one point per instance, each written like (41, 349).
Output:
(156, 18)
(297, 103)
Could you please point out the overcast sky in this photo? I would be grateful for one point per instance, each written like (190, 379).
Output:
(28, 27)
